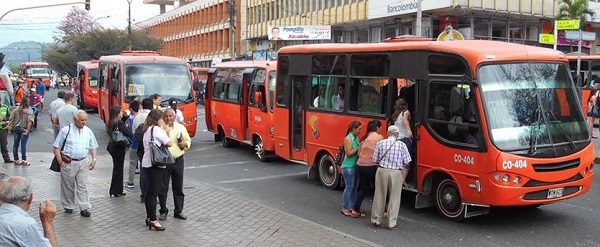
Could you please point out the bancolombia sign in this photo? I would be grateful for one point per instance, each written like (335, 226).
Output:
(385, 8)
(300, 32)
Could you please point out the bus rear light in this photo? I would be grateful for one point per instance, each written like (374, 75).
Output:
(505, 178)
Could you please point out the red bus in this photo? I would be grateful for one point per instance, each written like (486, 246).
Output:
(135, 74)
(589, 68)
(86, 84)
(33, 71)
(495, 123)
(239, 107)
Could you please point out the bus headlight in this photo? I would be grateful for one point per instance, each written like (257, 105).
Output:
(497, 176)
(517, 180)
(505, 178)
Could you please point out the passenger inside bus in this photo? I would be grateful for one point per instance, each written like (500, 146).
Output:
(320, 100)
(337, 101)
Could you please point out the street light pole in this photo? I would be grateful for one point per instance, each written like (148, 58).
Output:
(129, 25)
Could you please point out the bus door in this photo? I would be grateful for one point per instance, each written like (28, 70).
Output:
(300, 86)
(208, 100)
(258, 114)
(244, 98)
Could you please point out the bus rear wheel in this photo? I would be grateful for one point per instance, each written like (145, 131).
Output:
(328, 173)
(448, 200)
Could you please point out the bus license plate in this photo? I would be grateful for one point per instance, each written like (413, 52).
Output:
(555, 193)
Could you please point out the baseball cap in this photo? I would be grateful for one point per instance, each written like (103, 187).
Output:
(393, 129)
(32, 89)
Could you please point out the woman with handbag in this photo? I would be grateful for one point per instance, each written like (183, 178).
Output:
(351, 144)
(117, 148)
(154, 173)
(21, 120)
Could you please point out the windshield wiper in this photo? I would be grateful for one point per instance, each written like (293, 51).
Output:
(558, 122)
(534, 140)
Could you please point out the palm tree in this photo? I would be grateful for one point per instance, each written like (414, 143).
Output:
(574, 10)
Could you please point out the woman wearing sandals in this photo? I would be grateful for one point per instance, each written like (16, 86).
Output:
(351, 144)
(154, 174)
(366, 167)
(22, 120)
(117, 151)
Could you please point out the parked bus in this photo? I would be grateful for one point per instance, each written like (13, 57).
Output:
(86, 84)
(494, 123)
(33, 71)
(135, 74)
(239, 107)
(589, 68)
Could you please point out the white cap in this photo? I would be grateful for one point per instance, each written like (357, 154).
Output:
(393, 129)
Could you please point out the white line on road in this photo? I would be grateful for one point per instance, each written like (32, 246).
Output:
(222, 164)
(262, 178)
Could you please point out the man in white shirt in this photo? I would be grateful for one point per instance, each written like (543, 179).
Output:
(54, 106)
(65, 112)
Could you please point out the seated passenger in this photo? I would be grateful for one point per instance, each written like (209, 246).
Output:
(337, 101)
(320, 101)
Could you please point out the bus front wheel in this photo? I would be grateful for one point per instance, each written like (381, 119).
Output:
(448, 200)
(226, 142)
(328, 173)
(261, 153)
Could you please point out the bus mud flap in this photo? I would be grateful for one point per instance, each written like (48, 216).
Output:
(312, 172)
(472, 210)
(423, 201)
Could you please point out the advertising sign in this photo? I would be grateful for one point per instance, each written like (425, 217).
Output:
(385, 8)
(567, 24)
(548, 39)
(299, 32)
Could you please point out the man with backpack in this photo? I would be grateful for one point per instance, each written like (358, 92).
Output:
(138, 126)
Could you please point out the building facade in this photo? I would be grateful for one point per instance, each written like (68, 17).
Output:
(201, 30)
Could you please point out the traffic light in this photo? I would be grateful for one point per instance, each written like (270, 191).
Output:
(1, 60)
(87, 5)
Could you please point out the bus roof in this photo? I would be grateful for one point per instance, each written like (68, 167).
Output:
(474, 50)
(34, 64)
(584, 57)
(246, 64)
(92, 64)
(142, 59)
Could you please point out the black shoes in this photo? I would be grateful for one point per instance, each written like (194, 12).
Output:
(85, 213)
(162, 217)
(68, 211)
(119, 194)
(8, 161)
(154, 224)
(180, 216)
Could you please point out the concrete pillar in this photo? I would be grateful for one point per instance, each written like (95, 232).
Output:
(163, 9)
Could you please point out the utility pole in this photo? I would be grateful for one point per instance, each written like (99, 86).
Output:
(419, 18)
(232, 20)
(129, 26)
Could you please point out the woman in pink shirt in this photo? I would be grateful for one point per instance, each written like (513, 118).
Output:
(366, 167)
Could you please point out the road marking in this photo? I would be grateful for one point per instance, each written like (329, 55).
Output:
(222, 164)
(262, 178)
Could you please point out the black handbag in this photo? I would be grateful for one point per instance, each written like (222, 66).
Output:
(54, 166)
(118, 138)
(339, 157)
(159, 154)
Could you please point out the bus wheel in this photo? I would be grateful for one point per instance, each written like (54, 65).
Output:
(328, 174)
(227, 143)
(448, 200)
(260, 150)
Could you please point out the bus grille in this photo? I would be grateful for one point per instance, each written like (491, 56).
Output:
(556, 166)
(543, 194)
(535, 183)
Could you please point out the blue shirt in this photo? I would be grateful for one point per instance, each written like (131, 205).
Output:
(41, 89)
(78, 143)
(17, 228)
(134, 144)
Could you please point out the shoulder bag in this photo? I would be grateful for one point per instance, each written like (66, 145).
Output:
(159, 154)
(118, 138)
(339, 157)
(386, 152)
(54, 166)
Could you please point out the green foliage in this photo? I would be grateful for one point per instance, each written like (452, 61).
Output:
(574, 10)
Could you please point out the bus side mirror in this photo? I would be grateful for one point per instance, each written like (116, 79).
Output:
(196, 84)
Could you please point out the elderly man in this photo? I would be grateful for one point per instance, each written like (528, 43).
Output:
(78, 141)
(393, 159)
(179, 135)
(17, 228)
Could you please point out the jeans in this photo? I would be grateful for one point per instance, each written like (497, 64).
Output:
(22, 139)
(349, 194)
(366, 178)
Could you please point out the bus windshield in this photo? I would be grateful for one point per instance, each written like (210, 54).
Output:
(38, 72)
(93, 77)
(168, 80)
(530, 105)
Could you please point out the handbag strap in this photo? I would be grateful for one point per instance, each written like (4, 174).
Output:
(152, 133)
(65, 142)
(386, 152)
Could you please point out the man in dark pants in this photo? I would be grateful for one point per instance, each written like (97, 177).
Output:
(179, 136)
(4, 115)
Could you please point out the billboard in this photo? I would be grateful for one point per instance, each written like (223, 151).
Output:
(385, 8)
(299, 32)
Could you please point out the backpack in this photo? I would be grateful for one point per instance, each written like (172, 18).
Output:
(139, 138)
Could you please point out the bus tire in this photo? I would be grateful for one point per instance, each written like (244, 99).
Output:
(448, 200)
(261, 153)
(226, 142)
(328, 173)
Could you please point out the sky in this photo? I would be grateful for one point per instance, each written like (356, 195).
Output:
(40, 25)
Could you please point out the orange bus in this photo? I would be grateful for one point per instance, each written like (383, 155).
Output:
(495, 123)
(589, 68)
(33, 71)
(239, 104)
(135, 74)
(86, 84)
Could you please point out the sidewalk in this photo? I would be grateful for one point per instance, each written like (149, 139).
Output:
(215, 217)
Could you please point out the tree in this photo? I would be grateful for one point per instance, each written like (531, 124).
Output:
(574, 10)
(76, 22)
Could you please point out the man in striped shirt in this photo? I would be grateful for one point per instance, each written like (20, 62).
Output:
(393, 158)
